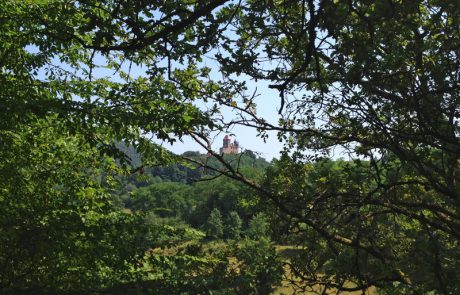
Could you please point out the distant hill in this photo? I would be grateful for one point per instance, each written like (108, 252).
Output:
(174, 191)
(247, 162)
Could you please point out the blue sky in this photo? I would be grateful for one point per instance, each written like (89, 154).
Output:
(267, 104)
(267, 101)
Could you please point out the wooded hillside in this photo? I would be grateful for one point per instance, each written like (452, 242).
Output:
(362, 95)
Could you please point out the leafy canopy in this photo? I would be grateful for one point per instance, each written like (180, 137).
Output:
(376, 80)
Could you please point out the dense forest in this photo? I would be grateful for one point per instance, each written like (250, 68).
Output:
(191, 194)
(363, 97)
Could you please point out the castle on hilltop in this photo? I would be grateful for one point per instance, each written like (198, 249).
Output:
(229, 147)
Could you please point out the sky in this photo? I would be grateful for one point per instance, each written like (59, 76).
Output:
(268, 103)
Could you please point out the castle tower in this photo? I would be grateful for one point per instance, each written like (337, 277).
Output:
(226, 142)
(229, 147)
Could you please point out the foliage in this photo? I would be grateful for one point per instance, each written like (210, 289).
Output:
(333, 196)
(259, 265)
(377, 82)
(258, 227)
(58, 230)
(233, 226)
(165, 199)
(50, 63)
(215, 225)
(167, 233)
(254, 268)
(374, 80)
(223, 194)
